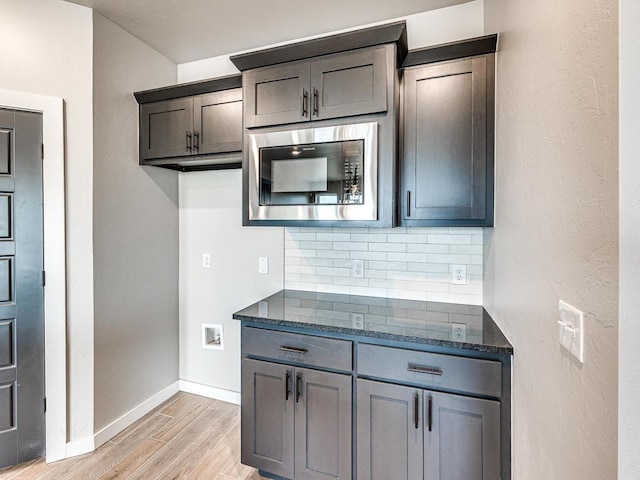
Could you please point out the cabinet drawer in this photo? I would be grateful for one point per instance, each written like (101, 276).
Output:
(296, 348)
(431, 370)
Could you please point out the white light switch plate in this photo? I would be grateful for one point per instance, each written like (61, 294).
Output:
(571, 329)
(263, 265)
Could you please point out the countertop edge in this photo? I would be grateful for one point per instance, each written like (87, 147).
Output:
(504, 350)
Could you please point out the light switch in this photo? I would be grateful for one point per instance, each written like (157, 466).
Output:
(263, 265)
(571, 329)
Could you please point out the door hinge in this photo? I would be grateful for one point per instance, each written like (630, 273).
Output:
(42, 151)
(44, 279)
(45, 404)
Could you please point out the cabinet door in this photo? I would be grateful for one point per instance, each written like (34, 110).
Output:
(389, 432)
(218, 122)
(267, 424)
(445, 170)
(462, 438)
(166, 129)
(276, 95)
(323, 426)
(349, 84)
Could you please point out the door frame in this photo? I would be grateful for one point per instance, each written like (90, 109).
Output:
(52, 109)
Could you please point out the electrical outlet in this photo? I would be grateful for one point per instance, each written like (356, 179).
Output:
(357, 319)
(459, 275)
(206, 260)
(459, 332)
(357, 269)
(571, 329)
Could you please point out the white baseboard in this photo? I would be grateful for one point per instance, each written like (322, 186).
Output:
(210, 392)
(89, 444)
(105, 434)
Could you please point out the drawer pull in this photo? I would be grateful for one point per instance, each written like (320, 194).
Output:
(421, 369)
(301, 351)
(430, 422)
(416, 411)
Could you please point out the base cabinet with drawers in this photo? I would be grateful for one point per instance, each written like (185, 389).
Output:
(411, 414)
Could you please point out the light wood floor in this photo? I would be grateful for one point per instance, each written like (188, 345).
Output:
(187, 437)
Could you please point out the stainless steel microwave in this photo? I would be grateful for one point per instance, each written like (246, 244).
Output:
(323, 173)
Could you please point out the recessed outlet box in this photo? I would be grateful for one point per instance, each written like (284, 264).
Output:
(263, 265)
(571, 329)
(357, 319)
(212, 337)
(206, 260)
(357, 269)
(459, 332)
(459, 275)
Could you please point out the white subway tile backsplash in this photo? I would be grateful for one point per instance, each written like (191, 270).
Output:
(403, 263)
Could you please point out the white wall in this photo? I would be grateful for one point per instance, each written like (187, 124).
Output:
(47, 49)
(556, 229)
(135, 225)
(629, 337)
(211, 222)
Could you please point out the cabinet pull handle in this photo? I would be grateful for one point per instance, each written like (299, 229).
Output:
(422, 369)
(430, 412)
(301, 351)
(416, 411)
(287, 381)
(298, 387)
(408, 203)
(305, 102)
(315, 101)
(189, 141)
(196, 140)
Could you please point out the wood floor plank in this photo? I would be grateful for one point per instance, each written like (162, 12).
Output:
(178, 444)
(187, 437)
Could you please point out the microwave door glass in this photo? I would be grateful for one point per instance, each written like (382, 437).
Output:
(329, 173)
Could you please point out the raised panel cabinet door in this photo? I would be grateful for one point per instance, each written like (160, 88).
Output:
(323, 425)
(276, 95)
(267, 417)
(166, 129)
(389, 432)
(218, 122)
(462, 438)
(349, 84)
(445, 172)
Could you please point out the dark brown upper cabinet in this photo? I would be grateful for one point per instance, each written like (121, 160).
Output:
(193, 132)
(447, 142)
(331, 86)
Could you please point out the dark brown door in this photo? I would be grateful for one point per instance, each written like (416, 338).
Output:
(276, 95)
(445, 169)
(22, 418)
(166, 129)
(218, 122)
(349, 84)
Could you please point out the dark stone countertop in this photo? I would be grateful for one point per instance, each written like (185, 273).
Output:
(386, 318)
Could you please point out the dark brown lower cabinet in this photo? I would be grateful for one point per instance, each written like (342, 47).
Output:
(408, 433)
(296, 422)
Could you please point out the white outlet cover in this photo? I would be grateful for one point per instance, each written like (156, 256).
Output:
(459, 332)
(206, 260)
(459, 275)
(357, 269)
(571, 329)
(358, 320)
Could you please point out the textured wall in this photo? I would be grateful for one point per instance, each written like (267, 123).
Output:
(47, 49)
(556, 229)
(135, 233)
(629, 369)
(410, 263)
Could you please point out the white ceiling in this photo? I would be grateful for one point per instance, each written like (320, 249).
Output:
(187, 30)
